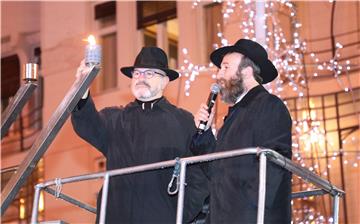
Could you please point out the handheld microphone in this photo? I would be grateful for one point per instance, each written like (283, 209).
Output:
(215, 89)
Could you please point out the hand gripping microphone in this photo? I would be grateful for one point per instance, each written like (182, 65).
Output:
(215, 89)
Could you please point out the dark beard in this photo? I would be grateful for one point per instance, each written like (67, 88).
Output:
(231, 89)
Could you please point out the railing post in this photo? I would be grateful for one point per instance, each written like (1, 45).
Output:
(104, 197)
(336, 209)
(34, 216)
(181, 196)
(262, 188)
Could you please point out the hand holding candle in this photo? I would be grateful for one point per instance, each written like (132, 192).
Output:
(92, 52)
(92, 57)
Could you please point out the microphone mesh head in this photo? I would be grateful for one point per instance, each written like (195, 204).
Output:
(215, 88)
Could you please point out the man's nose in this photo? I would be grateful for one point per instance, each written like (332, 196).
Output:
(219, 74)
(142, 76)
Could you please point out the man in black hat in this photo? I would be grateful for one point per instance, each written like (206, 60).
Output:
(147, 130)
(256, 118)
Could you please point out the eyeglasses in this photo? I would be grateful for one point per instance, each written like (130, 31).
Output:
(147, 74)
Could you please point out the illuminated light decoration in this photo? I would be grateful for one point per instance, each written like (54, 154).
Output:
(190, 71)
(22, 211)
(333, 66)
(41, 202)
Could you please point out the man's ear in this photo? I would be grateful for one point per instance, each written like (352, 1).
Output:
(247, 72)
(164, 82)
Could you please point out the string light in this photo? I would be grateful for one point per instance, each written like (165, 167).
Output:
(333, 66)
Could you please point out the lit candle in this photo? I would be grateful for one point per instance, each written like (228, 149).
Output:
(92, 52)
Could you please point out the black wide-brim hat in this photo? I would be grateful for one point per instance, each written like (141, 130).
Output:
(151, 57)
(252, 50)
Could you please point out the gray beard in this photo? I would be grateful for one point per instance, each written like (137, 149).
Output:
(145, 95)
(231, 89)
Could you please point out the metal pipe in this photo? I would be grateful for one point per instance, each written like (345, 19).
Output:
(71, 200)
(46, 136)
(262, 189)
(104, 197)
(122, 171)
(303, 194)
(153, 166)
(21, 97)
(302, 172)
(34, 216)
(15, 106)
(220, 155)
(260, 32)
(271, 155)
(181, 196)
(336, 201)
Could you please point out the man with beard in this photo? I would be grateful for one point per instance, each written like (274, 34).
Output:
(255, 119)
(147, 130)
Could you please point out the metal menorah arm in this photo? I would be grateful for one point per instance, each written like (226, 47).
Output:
(21, 97)
(46, 136)
(15, 106)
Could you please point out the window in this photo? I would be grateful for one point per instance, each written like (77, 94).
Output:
(172, 29)
(105, 16)
(328, 144)
(20, 136)
(10, 78)
(105, 11)
(20, 209)
(107, 77)
(213, 25)
(160, 27)
(154, 12)
(150, 35)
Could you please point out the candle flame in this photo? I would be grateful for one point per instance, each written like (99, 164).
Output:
(91, 40)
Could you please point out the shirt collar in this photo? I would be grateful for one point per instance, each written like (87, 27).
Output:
(161, 102)
(247, 97)
(251, 94)
(147, 105)
(241, 97)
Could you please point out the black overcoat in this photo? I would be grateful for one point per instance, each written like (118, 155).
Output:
(258, 120)
(131, 136)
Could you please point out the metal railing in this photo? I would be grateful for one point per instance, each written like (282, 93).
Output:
(265, 154)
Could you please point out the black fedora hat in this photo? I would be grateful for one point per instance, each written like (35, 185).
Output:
(151, 57)
(252, 50)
